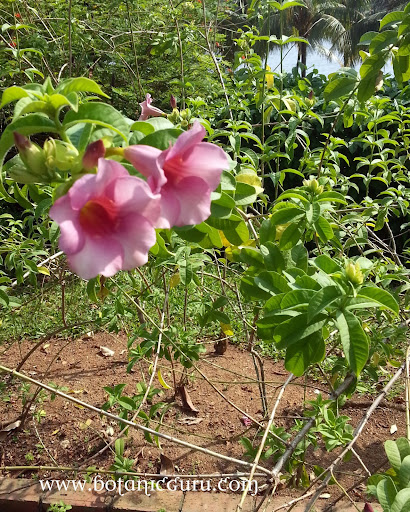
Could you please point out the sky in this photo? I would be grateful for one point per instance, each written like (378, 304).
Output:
(314, 60)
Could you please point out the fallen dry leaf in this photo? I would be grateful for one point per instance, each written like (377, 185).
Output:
(186, 399)
(190, 421)
(167, 466)
(9, 428)
(324, 496)
(106, 352)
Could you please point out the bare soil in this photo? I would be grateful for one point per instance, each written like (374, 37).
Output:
(69, 435)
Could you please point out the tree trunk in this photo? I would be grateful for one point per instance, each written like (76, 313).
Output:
(303, 51)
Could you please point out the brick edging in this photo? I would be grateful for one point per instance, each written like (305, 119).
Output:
(25, 495)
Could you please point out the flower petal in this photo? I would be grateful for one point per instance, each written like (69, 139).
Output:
(186, 140)
(132, 194)
(194, 198)
(98, 256)
(206, 161)
(170, 208)
(145, 160)
(71, 238)
(136, 235)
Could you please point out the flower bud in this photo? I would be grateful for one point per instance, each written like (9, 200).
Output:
(173, 102)
(184, 123)
(313, 186)
(60, 155)
(186, 114)
(32, 155)
(353, 273)
(174, 116)
(94, 151)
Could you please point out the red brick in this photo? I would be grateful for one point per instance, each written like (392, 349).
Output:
(81, 501)
(137, 501)
(215, 502)
(19, 495)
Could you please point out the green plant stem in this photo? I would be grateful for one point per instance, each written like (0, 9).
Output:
(134, 50)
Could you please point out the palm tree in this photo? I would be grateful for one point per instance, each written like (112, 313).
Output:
(317, 21)
(369, 20)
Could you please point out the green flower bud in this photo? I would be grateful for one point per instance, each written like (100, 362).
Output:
(32, 155)
(174, 116)
(313, 186)
(354, 273)
(186, 114)
(60, 154)
(184, 123)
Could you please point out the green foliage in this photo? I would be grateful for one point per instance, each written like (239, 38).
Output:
(392, 488)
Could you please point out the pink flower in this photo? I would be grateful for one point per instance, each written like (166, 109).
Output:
(184, 175)
(106, 221)
(147, 110)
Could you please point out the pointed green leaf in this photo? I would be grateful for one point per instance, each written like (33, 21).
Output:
(324, 229)
(80, 84)
(321, 300)
(354, 340)
(402, 501)
(382, 297)
(300, 356)
(386, 492)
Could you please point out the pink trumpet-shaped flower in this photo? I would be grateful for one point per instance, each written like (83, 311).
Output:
(106, 221)
(184, 174)
(148, 110)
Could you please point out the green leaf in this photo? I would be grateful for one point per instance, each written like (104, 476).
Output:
(245, 194)
(127, 403)
(285, 215)
(332, 197)
(382, 297)
(296, 298)
(300, 356)
(392, 17)
(393, 454)
(271, 282)
(80, 84)
(386, 492)
(339, 87)
(299, 255)
(161, 139)
(4, 298)
(185, 272)
(273, 257)
(101, 114)
(369, 72)
(323, 229)
(234, 228)
(291, 236)
(382, 40)
(404, 473)
(402, 501)
(296, 329)
(13, 93)
(223, 206)
(267, 232)
(321, 300)
(143, 127)
(354, 340)
(91, 290)
(325, 263)
(251, 257)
